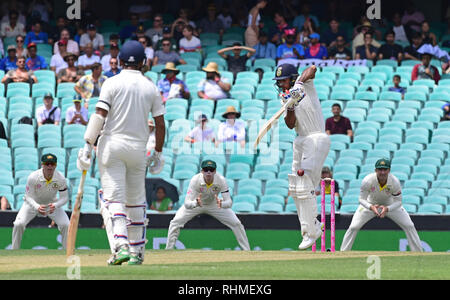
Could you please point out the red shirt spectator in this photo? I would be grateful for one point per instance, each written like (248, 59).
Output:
(425, 70)
(338, 124)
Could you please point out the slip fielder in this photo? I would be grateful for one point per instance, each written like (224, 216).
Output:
(40, 200)
(202, 198)
(381, 196)
(122, 111)
(310, 147)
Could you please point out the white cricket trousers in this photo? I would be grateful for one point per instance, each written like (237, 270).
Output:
(225, 215)
(399, 216)
(28, 213)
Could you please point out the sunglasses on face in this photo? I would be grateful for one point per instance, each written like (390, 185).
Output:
(208, 169)
(166, 45)
(19, 41)
(49, 164)
(158, 20)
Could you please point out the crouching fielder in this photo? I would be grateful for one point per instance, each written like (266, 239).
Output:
(202, 198)
(381, 196)
(40, 200)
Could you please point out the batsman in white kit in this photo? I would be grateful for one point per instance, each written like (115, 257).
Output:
(202, 198)
(381, 196)
(122, 118)
(41, 200)
(310, 147)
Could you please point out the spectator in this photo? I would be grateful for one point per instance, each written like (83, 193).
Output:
(162, 202)
(176, 30)
(113, 53)
(329, 37)
(225, 17)
(13, 5)
(34, 61)
(338, 124)
(290, 49)
(151, 142)
(40, 9)
(128, 30)
(360, 37)
(265, 49)
(201, 133)
(171, 86)
(114, 39)
(236, 62)
(411, 50)
(140, 32)
(9, 62)
(446, 112)
(425, 70)
(166, 34)
(57, 63)
(397, 88)
(77, 114)
(214, 87)
(93, 38)
(88, 59)
(54, 34)
(303, 36)
(412, 17)
(72, 73)
(21, 74)
(316, 50)
(254, 23)
(113, 67)
(142, 9)
(184, 16)
(339, 51)
(167, 55)
(47, 113)
(155, 33)
(36, 35)
(79, 32)
(210, 23)
(427, 36)
(189, 42)
(4, 203)
(366, 51)
(390, 50)
(231, 130)
(72, 46)
(276, 32)
(13, 27)
(149, 52)
(90, 85)
(326, 173)
(402, 33)
(305, 15)
(20, 49)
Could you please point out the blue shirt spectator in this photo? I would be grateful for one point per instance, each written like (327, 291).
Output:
(290, 49)
(300, 19)
(9, 62)
(316, 50)
(397, 88)
(170, 86)
(35, 62)
(265, 49)
(36, 35)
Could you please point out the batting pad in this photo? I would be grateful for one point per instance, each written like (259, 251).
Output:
(137, 227)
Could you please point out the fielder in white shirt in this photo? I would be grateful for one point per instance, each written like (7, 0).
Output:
(41, 200)
(202, 198)
(310, 147)
(381, 196)
(122, 112)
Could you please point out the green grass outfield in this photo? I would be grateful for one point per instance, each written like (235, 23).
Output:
(227, 265)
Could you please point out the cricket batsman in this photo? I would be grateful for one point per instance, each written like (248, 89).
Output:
(310, 147)
(40, 200)
(122, 115)
(202, 198)
(381, 196)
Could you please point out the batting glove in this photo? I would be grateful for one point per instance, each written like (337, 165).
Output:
(84, 158)
(155, 162)
(297, 92)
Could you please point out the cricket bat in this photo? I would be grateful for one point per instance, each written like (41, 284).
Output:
(75, 218)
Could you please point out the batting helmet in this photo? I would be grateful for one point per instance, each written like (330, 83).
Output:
(132, 53)
(286, 71)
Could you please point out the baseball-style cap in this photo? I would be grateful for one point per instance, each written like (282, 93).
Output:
(11, 47)
(208, 164)
(48, 95)
(91, 27)
(166, 29)
(31, 45)
(202, 117)
(314, 35)
(77, 98)
(383, 163)
(49, 158)
(114, 46)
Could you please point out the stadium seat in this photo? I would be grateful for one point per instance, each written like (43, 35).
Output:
(430, 208)
(243, 207)
(270, 207)
(348, 208)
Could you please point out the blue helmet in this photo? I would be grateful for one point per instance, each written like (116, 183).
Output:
(132, 53)
(285, 71)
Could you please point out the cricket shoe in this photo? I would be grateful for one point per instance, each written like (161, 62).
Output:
(135, 259)
(309, 241)
(121, 256)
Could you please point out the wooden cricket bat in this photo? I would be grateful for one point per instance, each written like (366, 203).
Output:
(75, 218)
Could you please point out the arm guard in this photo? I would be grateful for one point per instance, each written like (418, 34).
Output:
(226, 200)
(93, 128)
(63, 198)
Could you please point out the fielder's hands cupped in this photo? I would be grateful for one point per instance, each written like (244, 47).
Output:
(84, 158)
(374, 208)
(155, 162)
(42, 209)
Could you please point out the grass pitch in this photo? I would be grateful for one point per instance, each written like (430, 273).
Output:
(227, 265)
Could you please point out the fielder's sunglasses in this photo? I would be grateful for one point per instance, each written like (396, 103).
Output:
(49, 164)
(208, 169)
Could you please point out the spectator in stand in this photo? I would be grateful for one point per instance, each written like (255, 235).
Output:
(77, 114)
(93, 38)
(167, 34)
(72, 73)
(10, 61)
(265, 49)
(54, 34)
(276, 32)
(427, 36)
(338, 124)
(114, 38)
(412, 17)
(57, 63)
(162, 202)
(366, 51)
(128, 30)
(176, 30)
(360, 37)
(189, 42)
(184, 16)
(425, 70)
(13, 27)
(326, 173)
(254, 23)
(88, 59)
(4, 203)
(170, 86)
(201, 133)
(303, 36)
(47, 113)
(305, 15)
(13, 5)
(34, 61)
(290, 49)
(390, 50)
(140, 32)
(20, 49)
(339, 51)
(72, 46)
(213, 87)
(402, 33)
(231, 129)
(167, 55)
(142, 8)
(113, 67)
(210, 23)
(149, 52)
(411, 50)
(90, 85)
(155, 33)
(446, 112)
(40, 9)
(113, 53)
(316, 50)
(236, 62)
(36, 36)
(329, 37)
(397, 88)
(21, 74)
(80, 30)
(225, 17)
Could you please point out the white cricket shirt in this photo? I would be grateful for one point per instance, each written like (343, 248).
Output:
(198, 186)
(389, 195)
(40, 191)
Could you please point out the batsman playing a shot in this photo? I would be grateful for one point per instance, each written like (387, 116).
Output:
(40, 200)
(381, 196)
(310, 147)
(202, 198)
(122, 111)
